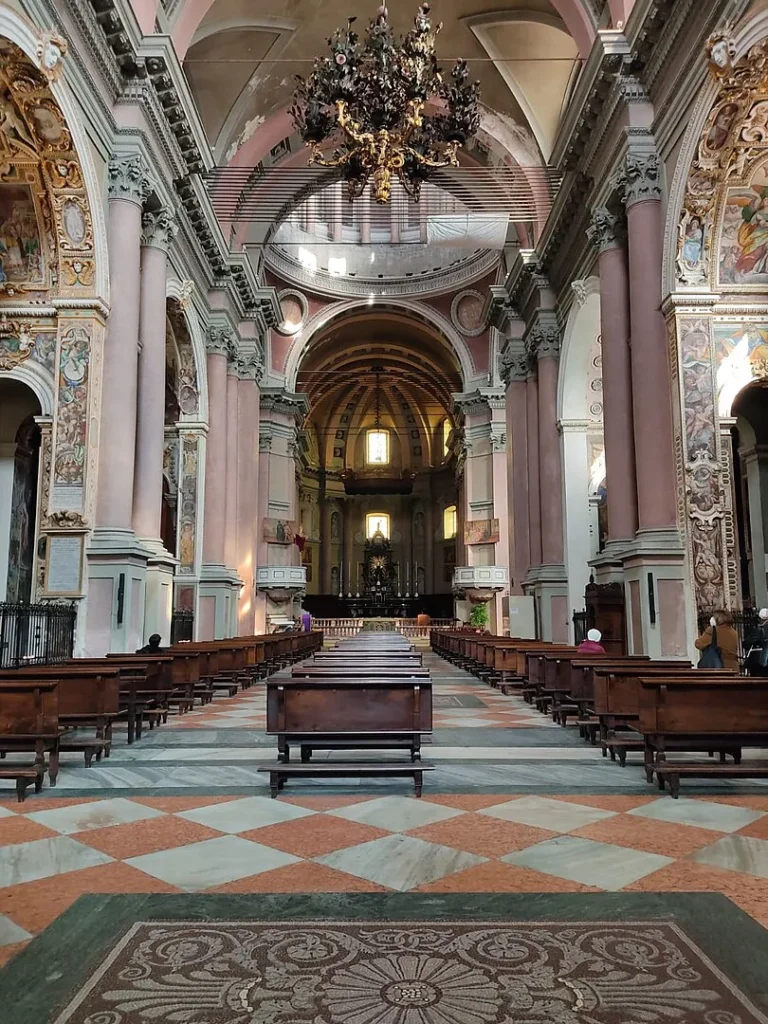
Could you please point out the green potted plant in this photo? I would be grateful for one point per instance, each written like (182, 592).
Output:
(479, 616)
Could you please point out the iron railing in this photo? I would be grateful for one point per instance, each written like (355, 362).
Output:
(182, 626)
(36, 634)
(341, 627)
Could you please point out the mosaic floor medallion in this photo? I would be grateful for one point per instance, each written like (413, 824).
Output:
(407, 973)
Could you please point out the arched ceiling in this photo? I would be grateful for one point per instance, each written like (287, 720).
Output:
(413, 370)
(240, 56)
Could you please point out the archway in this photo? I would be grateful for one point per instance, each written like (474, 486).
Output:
(19, 471)
(750, 442)
(382, 448)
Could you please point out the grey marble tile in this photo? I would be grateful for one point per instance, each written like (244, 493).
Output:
(700, 813)
(400, 862)
(42, 858)
(555, 815)
(98, 814)
(396, 813)
(210, 863)
(736, 853)
(582, 860)
(243, 815)
(10, 932)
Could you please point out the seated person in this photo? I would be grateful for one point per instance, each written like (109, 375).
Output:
(153, 647)
(422, 619)
(727, 639)
(592, 644)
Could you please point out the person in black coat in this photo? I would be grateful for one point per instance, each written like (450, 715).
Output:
(754, 644)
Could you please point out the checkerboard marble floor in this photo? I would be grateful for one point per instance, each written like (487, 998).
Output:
(54, 850)
(511, 809)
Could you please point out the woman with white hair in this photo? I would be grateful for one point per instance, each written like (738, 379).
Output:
(592, 644)
(756, 646)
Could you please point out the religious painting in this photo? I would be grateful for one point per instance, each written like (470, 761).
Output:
(278, 531)
(481, 531)
(72, 406)
(696, 353)
(73, 223)
(23, 502)
(722, 120)
(741, 356)
(48, 126)
(20, 251)
(188, 502)
(743, 255)
(44, 351)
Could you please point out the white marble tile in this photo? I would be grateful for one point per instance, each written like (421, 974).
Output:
(5, 812)
(43, 858)
(585, 753)
(211, 863)
(700, 813)
(400, 862)
(396, 813)
(98, 814)
(466, 723)
(736, 853)
(11, 932)
(242, 815)
(555, 815)
(581, 860)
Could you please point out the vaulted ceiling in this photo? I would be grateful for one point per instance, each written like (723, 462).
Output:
(240, 57)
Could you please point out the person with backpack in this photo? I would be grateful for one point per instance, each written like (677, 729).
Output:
(756, 646)
(719, 643)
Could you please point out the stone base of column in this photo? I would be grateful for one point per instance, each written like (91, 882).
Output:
(608, 566)
(158, 604)
(217, 602)
(519, 616)
(117, 573)
(548, 585)
(660, 613)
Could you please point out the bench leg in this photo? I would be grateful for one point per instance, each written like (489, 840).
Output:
(273, 784)
(417, 782)
(21, 789)
(53, 765)
(674, 786)
(306, 754)
(88, 756)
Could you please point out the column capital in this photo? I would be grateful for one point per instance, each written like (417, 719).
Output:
(498, 437)
(250, 366)
(543, 341)
(606, 230)
(128, 179)
(513, 364)
(639, 179)
(158, 229)
(218, 340)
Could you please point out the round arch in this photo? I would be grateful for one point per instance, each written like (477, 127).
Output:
(303, 338)
(37, 380)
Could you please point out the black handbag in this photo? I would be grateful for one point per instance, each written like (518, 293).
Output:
(711, 657)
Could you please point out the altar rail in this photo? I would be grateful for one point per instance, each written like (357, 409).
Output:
(350, 627)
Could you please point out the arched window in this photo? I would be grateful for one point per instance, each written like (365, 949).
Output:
(447, 428)
(377, 522)
(377, 447)
(450, 522)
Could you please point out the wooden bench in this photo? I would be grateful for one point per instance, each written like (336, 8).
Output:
(377, 670)
(671, 772)
(29, 723)
(280, 773)
(24, 776)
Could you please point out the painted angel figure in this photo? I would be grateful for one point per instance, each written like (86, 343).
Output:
(753, 236)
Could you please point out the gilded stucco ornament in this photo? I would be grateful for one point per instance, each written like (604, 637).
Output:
(721, 53)
(16, 343)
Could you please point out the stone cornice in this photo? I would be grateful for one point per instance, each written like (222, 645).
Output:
(481, 400)
(497, 309)
(289, 403)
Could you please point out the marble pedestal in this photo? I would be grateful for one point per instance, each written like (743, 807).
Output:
(548, 586)
(158, 602)
(660, 614)
(217, 603)
(117, 578)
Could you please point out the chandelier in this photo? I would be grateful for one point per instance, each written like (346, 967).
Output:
(374, 96)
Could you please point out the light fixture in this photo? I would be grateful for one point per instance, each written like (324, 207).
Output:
(375, 96)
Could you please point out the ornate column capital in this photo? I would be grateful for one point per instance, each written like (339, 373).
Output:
(606, 230)
(128, 178)
(513, 364)
(250, 366)
(543, 342)
(498, 437)
(639, 180)
(219, 340)
(158, 229)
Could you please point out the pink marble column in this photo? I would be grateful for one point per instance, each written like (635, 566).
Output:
(128, 188)
(651, 386)
(215, 524)
(230, 546)
(247, 462)
(159, 229)
(517, 442)
(534, 498)
(550, 458)
(618, 430)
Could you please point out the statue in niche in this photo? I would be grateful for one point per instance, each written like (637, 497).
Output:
(334, 578)
(335, 526)
(418, 526)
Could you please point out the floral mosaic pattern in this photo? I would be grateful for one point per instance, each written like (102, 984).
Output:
(407, 973)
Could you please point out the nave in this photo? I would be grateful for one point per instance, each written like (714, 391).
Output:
(517, 804)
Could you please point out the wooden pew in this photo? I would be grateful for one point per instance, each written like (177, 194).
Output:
(702, 714)
(361, 670)
(29, 722)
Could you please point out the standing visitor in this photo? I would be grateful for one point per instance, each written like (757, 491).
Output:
(306, 621)
(756, 646)
(719, 636)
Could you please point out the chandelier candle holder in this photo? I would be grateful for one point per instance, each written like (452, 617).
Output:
(369, 101)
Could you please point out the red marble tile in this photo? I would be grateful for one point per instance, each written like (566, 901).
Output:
(176, 804)
(136, 838)
(665, 838)
(606, 803)
(468, 801)
(324, 803)
(22, 830)
(304, 877)
(487, 837)
(34, 905)
(315, 836)
(7, 953)
(748, 892)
